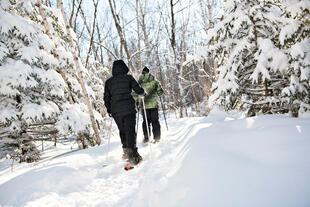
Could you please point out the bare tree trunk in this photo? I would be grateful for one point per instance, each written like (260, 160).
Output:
(207, 20)
(100, 47)
(139, 62)
(121, 36)
(91, 44)
(78, 40)
(211, 24)
(208, 24)
(160, 71)
(55, 140)
(144, 29)
(81, 80)
(48, 32)
(194, 95)
(173, 45)
(76, 15)
(91, 33)
(203, 15)
(72, 13)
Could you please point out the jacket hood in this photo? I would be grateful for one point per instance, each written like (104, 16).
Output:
(146, 78)
(119, 68)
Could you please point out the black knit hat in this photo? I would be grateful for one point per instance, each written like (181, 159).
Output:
(145, 70)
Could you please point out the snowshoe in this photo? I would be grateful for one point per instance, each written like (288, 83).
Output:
(128, 167)
(134, 158)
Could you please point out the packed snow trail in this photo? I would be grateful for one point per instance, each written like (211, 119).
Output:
(219, 160)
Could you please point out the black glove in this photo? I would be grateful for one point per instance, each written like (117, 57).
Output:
(143, 95)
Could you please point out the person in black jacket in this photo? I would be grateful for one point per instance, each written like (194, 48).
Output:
(121, 106)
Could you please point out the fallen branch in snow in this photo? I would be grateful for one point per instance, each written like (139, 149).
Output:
(43, 132)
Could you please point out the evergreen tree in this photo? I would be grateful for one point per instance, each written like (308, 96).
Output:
(31, 90)
(295, 39)
(254, 65)
(38, 79)
(97, 73)
(74, 119)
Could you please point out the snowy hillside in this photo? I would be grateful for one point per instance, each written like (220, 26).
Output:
(219, 160)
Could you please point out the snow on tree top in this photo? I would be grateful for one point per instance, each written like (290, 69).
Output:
(10, 22)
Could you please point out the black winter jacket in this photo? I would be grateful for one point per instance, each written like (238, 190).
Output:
(117, 91)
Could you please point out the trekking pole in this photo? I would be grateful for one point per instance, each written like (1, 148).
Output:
(162, 106)
(147, 125)
(137, 122)
(109, 137)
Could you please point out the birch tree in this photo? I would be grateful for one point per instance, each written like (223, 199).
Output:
(77, 64)
(120, 31)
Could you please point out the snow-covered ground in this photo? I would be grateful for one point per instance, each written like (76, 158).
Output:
(219, 160)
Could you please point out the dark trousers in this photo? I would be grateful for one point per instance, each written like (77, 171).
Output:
(152, 119)
(126, 125)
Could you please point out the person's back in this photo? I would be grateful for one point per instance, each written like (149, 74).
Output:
(119, 87)
(121, 105)
(153, 89)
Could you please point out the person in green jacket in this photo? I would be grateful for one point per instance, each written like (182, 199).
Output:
(153, 89)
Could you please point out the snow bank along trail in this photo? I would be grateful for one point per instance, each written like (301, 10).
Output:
(219, 160)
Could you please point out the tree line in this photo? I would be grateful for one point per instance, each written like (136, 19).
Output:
(242, 55)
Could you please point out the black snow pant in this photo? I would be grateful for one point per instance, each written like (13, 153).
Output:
(152, 119)
(126, 125)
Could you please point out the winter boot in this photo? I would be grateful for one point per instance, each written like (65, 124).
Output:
(145, 140)
(134, 156)
(125, 155)
(156, 139)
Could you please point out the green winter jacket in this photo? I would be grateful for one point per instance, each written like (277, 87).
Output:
(153, 89)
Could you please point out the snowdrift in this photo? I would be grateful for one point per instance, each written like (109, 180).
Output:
(219, 160)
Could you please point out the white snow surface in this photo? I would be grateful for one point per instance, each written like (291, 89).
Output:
(219, 160)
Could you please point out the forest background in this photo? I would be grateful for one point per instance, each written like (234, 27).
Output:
(252, 56)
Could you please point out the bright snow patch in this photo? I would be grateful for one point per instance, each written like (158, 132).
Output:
(219, 160)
